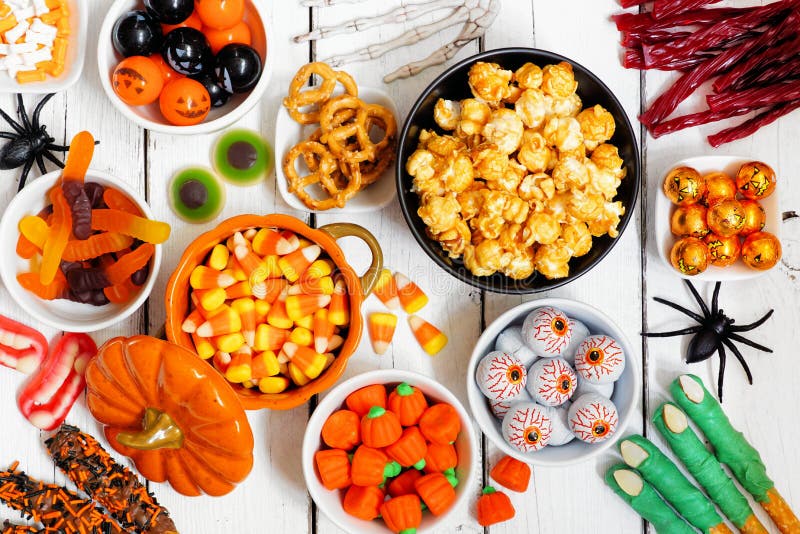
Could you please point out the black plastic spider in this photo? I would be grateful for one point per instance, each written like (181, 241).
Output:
(28, 142)
(715, 332)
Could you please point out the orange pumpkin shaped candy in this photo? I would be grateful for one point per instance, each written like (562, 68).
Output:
(403, 514)
(333, 466)
(440, 424)
(494, 507)
(409, 450)
(184, 102)
(380, 428)
(342, 430)
(436, 492)
(512, 474)
(440, 458)
(174, 415)
(371, 466)
(363, 502)
(408, 403)
(361, 400)
(403, 484)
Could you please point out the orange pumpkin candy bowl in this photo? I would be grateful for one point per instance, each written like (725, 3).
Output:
(178, 301)
(173, 415)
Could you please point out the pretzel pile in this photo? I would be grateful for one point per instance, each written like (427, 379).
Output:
(341, 156)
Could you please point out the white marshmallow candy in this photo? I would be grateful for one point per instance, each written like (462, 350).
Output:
(551, 381)
(600, 359)
(510, 340)
(500, 376)
(593, 418)
(546, 331)
(561, 433)
(527, 427)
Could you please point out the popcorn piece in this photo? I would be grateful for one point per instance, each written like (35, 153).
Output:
(504, 129)
(489, 81)
(597, 126)
(447, 113)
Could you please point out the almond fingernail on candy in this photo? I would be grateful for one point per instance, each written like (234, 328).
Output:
(430, 338)
(386, 290)
(381, 328)
(411, 296)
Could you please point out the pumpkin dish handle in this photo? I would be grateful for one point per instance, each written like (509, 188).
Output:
(159, 431)
(339, 230)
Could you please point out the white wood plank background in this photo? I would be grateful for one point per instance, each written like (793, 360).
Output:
(571, 500)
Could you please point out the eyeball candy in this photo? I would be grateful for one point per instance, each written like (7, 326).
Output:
(599, 359)
(510, 340)
(546, 331)
(527, 427)
(500, 407)
(561, 433)
(579, 333)
(593, 418)
(584, 387)
(551, 381)
(500, 376)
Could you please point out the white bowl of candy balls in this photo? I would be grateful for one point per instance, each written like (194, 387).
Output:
(184, 66)
(553, 382)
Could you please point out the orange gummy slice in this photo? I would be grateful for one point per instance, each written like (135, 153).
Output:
(96, 245)
(112, 220)
(117, 200)
(53, 290)
(128, 264)
(60, 228)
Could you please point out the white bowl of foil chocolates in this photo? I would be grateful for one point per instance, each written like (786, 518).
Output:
(553, 382)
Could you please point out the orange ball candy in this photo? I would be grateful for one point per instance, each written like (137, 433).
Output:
(689, 221)
(719, 186)
(754, 217)
(240, 33)
(726, 217)
(689, 256)
(184, 102)
(761, 251)
(756, 180)
(722, 251)
(684, 186)
(192, 22)
(219, 14)
(167, 73)
(137, 81)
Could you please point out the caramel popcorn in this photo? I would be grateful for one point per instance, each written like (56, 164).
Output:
(489, 81)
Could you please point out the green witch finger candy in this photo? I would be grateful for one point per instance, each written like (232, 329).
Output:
(705, 468)
(732, 449)
(665, 477)
(629, 485)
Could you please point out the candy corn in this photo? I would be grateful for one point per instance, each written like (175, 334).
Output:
(240, 368)
(323, 330)
(381, 328)
(312, 286)
(235, 269)
(318, 269)
(386, 290)
(277, 315)
(221, 361)
(204, 348)
(273, 288)
(302, 336)
(299, 306)
(211, 299)
(192, 321)
(308, 361)
(224, 322)
(339, 309)
(246, 309)
(298, 377)
(429, 337)
(269, 337)
(218, 259)
(411, 296)
(238, 290)
(264, 364)
(203, 277)
(273, 384)
(335, 342)
(229, 342)
(267, 241)
(293, 265)
(252, 265)
(306, 322)
(262, 309)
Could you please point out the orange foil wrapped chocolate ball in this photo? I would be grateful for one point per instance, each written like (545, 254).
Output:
(684, 186)
(689, 255)
(756, 180)
(761, 251)
(754, 217)
(689, 221)
(719, 186)
(726, 217)
(722, 251)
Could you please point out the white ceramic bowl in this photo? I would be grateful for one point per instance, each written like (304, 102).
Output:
(288, 133)
(663, 212)
(330, 502)
(64, 314)
(625, 396)
(218, 118)
(73, 66)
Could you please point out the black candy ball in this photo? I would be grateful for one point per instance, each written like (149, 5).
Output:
(237, 67)
(219, 96)
(187, 51)
(170, 11)
(136, 33)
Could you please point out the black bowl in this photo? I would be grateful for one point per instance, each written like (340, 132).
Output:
(452, 85)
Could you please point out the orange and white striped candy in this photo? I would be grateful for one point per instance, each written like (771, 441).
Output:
(221, 361)
(291, 237)
(386, 290)
(277, 315)
(267, 241)
(246, 308)
(429, 337)
(223, 322)
(240, 369)
(269, 338)
(310, 362)
(339, 308)
(254, 267)
(273, 384)
(203, 277)
(411, 296)
(318, 269)
(203, 347)
(299, 306)
(192, 321)
(323, 331)
(293, 265)
(381, 327)
(322, 285)
(264, 364)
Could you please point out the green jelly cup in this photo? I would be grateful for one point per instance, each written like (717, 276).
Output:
(242, 157)
(214, 194)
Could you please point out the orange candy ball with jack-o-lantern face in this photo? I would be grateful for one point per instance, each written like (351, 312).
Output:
(137, 80)
(184, 102)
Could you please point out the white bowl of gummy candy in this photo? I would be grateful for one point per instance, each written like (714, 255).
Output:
(562, 378)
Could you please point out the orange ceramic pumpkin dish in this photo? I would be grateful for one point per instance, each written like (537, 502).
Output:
(171, 413)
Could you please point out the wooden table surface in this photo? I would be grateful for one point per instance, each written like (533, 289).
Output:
(561, 500)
